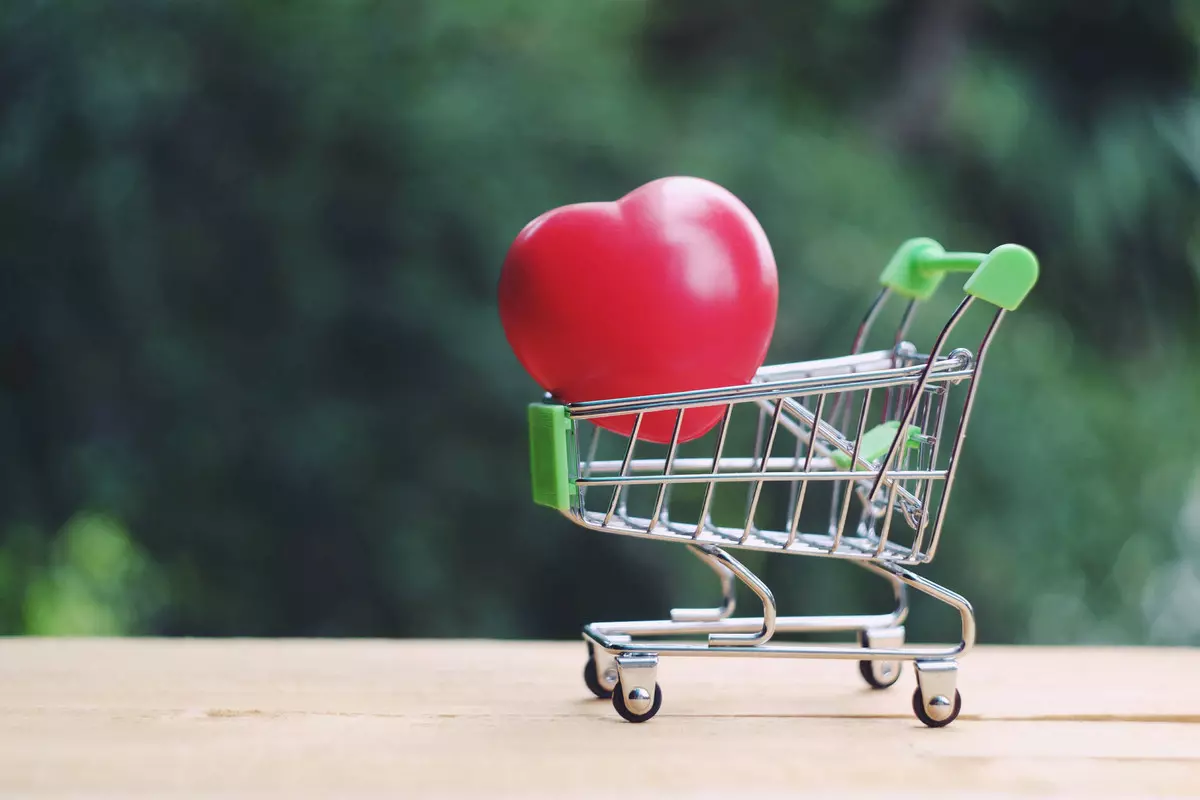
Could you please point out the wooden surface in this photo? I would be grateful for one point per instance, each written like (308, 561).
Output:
(416, 719)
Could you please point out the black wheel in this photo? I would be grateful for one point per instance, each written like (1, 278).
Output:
(919, 710)
(618, 701)
(592, 679)
(868, 674)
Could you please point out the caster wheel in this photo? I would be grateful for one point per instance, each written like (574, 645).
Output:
(592, 679)
(618, 701)
(923, 715)
(871, 672)
(880, 674)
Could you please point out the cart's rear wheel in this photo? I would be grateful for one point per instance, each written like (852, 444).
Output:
(880, 674)
(619, 703)
(923, 713)
(592, 678)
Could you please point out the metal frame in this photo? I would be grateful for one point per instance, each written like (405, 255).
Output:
(625, 654)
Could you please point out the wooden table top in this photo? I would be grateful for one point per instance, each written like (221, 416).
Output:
(453, 718)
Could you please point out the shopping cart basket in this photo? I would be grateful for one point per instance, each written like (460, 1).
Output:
(868, 432)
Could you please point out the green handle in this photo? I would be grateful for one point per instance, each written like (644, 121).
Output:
(1002, 277)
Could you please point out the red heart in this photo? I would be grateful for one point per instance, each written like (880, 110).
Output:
(671, 288)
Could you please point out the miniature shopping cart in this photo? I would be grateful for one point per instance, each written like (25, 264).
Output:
(850, 458)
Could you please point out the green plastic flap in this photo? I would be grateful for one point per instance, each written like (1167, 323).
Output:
(552, 455)
(903, 274)
(1005, 277)
(875, 443)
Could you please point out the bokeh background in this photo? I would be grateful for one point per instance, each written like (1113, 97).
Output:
(253, 380)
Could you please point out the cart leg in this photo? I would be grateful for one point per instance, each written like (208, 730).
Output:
(755, 584)
(637, 696)
(953, 599)
(936, 701)
(728, 594)
(899, 590)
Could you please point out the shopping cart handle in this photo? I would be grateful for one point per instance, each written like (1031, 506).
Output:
(1002, 277)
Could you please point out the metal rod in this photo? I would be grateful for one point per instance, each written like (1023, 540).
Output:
(906, 319)
(887, 520)
(910, 311)
(835, 438)
(745, 477)
(601, 633)
(952, 465)
(658, 500)
(832, 624)
(864, 327)
(899, 592)
(587, 464)
(794, 488)
(808, 459)
(759, 433)
(767, 630)
(862, 426)
(591, 453)
(860, 338)
(853, 548)
(840, 416)
(716, 461)
(917, 390)
(704, 464)
(612, 505)
(766, 454)
(927, 497)
(838, 365)
(728, 593)
(769, 391)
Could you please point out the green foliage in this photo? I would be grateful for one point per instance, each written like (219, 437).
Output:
(98, 583)
(250, 252)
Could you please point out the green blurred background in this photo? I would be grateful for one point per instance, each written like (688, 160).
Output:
(252, 377)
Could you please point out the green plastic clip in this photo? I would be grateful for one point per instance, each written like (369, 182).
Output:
(552, 456)
(875, 444)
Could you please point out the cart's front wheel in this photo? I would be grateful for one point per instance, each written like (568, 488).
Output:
(639, 698)
(938, 713)
(592, 678)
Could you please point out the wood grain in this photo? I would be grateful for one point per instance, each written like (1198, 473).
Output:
(452, 718)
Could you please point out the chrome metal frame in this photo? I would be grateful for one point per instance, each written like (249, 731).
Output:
(793, 398)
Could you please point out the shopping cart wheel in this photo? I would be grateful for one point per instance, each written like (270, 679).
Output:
(939, 704)
(592, 679)
(620, 704)
(880, 674)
